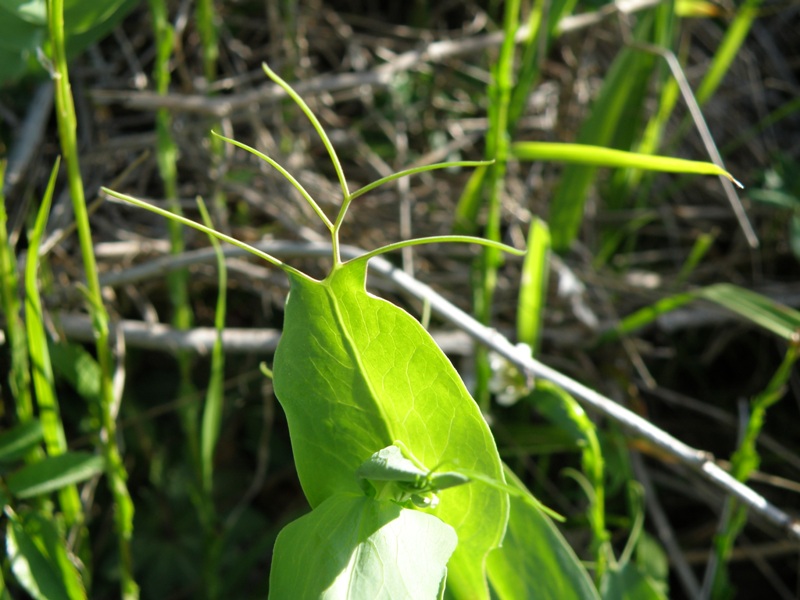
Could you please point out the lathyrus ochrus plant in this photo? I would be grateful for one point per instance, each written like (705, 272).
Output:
(401, 471)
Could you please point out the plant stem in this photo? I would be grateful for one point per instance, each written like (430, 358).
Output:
(19, 375)
(115, 469)
(743, 462)
(497, 150)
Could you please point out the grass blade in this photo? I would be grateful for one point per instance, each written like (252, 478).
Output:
(772, 316)
(584, 154)
(212, 413)
(754, 307)
(19, 374)
(728, 50)
(67, 128)
(43, 381)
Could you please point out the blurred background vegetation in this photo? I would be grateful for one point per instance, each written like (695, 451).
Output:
(399, 84)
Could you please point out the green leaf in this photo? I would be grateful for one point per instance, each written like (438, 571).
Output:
(353, 547)
(535, 560)
(53, 473)
(15, 442)
(354, 374)
(39, 560)
(598, 156)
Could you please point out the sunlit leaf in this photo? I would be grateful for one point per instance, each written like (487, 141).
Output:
(598, 156)
(354, 373)
(354, 547)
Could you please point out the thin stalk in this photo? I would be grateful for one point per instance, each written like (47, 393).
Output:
(497, 149)
(743, 462)
(177, 281)
(115, 469)
(211, 426)
(209, 42)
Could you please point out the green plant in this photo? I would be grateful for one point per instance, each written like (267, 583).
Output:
(376, 412)
(23, 30)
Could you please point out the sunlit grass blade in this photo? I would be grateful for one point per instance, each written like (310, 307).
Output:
(19, 376)
(43, 381)
(533, 286)
(647, 315)
(628, 180)
(597, 156)
(208, 35)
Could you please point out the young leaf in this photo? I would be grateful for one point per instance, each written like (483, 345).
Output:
(353, 547)
(599, 156)
(354, 373)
